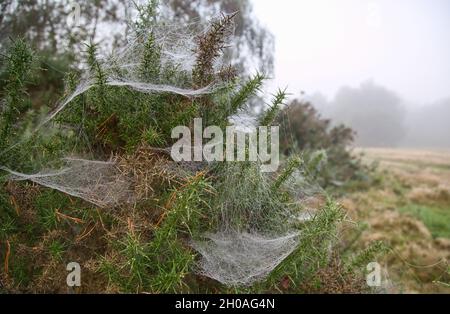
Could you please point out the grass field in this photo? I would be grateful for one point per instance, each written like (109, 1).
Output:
(435, 162)
(409, 209)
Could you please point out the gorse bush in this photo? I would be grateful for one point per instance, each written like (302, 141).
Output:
(326, 147)
(104, 192)
(17, 66)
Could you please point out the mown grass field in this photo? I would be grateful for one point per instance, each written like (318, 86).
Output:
(409, 209)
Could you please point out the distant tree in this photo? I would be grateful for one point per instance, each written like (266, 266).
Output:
(44, 24)
(429, 126)
(374, 112)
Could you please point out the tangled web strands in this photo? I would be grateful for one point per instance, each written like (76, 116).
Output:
(94, 181)
(177, 46)
(236, 259)
(120, 181)
(255, 233)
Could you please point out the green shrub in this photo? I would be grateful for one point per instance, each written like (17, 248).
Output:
(303, 131)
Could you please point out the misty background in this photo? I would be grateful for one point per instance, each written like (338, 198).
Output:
(381, 67)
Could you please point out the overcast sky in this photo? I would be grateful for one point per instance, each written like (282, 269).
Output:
(322, 45)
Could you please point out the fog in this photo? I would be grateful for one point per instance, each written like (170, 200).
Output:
(429, 126)
(380, 66)
(382, 119)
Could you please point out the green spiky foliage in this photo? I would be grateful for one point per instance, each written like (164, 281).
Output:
(271, 113)
(327, 147)
(144, 247)
(17, 72)
(19, 117)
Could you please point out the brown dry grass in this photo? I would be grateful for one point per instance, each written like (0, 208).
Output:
(435, 157)
(417, 260)
(335, 279)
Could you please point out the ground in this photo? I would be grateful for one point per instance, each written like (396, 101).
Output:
(409, 209)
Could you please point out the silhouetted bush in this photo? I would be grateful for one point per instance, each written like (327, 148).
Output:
(303, 130)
